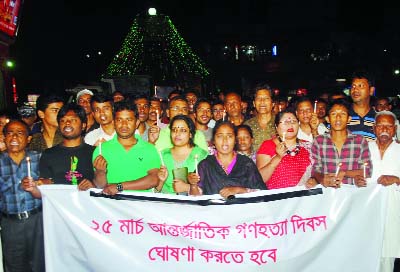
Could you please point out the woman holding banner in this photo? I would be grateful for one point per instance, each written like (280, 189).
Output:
(285, 161)
(226, 172)
(180, 159)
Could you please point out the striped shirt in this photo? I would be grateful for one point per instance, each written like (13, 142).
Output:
(13, 198)
(362, 125)
(354, 154)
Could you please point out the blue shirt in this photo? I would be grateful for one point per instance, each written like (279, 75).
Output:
(362, 125)
(13, 198)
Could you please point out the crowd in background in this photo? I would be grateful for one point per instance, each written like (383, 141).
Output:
(189, 145)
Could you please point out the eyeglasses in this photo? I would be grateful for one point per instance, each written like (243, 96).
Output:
(181, 130)
(289, 122)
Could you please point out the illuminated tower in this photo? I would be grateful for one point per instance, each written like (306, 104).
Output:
(154, 47)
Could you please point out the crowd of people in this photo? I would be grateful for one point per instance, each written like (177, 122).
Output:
(189, 146)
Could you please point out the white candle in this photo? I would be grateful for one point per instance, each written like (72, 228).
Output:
(162, 161)
(28, 163)
(280, 107)
(99, 147)
(283, 136)
(196, 162)
(365, 170)
(338, 169)
(155, 90)
(223, 116)
(315, 106)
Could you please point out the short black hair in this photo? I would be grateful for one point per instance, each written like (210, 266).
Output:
(77, 109)
(125, 105)
(363, 73)
(45, 100)
(340, 101)
(28, 130)
(246, 127)
(262, 86)
(201, 100)
(101, 98)
(178, 97)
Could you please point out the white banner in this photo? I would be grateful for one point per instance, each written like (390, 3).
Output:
(332, 230)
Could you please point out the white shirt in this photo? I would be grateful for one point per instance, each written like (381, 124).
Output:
(388, 165)
(96, 134)
(303, 136)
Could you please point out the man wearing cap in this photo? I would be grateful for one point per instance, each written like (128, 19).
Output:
(28, 115)
(83, 99)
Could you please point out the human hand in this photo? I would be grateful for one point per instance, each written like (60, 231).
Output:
(281, 149)
(110, 189)
(311, 183)
(153, 134)
(162, 173)
(387, 180)
(314, 121)
(28, 184)
(360, 181)
(85, 184)
(193, 178)
(233, 190)
(100, 163)
(180, 186)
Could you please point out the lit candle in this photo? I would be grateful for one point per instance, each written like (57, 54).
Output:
(223, 116)
(338, 169)
(155, 90)
(28, 163)
(162, 161)
(365, 169)
(195, 163)
(280, 107)
(315, 106)
(99, 147)
(158, 119)
(283, 136)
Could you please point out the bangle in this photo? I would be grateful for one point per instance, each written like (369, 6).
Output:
(156, 190)
(120, 188)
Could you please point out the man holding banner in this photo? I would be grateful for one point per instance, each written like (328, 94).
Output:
(126, 162)
(340, 156)
(21, 224)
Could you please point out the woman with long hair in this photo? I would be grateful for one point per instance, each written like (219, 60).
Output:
(181, 158)
(226, 172)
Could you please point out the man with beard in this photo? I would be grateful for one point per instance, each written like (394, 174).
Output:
(102, 106)
(202, 115)
(339, 156)
(70, 161)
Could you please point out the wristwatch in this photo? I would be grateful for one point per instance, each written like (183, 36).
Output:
(120, 188)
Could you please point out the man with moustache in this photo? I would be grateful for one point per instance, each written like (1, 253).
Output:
(362, 114)
(339, 156)
(83, 98)
(202, 115)
(143, 105)
(21, 222)
(384, 150)
(70, 161)
(126, 162)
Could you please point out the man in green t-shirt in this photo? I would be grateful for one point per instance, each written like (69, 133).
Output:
(126, 162)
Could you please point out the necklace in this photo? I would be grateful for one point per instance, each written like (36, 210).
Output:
(294, 151)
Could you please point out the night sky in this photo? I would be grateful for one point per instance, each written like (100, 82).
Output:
(54, 37)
